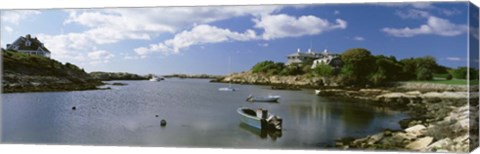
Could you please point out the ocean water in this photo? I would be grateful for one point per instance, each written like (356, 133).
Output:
(197, 115)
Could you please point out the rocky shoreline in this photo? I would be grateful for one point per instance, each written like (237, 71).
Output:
(440, 121)
(13, 83)
(441, 117)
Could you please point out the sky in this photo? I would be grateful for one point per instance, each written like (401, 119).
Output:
(220, 40)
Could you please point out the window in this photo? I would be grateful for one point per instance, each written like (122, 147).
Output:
(28, 43)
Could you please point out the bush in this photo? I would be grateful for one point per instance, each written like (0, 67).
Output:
(449, 77)
(460, 73)
(424, 74)
(323, 70)
(268, 67)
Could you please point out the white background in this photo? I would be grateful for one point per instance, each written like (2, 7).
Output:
(53, 149)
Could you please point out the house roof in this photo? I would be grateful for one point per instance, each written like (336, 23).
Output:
(303, 54)
(35, 44)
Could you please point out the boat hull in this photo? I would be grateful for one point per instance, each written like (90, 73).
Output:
(252, 121)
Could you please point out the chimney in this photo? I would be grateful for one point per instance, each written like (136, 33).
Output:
(298, 49)
(28, 36)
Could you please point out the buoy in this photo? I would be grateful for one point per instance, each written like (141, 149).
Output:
(163, 122)
(156, 115)
(74, 108)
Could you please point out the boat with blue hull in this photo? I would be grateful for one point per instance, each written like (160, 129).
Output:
(260, 119)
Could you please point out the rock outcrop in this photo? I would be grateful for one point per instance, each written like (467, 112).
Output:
(263, 79)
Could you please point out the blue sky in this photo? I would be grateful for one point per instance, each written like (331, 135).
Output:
(197, 40)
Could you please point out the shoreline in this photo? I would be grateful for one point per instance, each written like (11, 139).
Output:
(439, 121)
(59, 87)
(430, 111)
(436, 111)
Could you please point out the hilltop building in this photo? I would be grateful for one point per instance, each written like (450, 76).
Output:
(300, 57)
(331, 59)
(29, 45)
(318, 58)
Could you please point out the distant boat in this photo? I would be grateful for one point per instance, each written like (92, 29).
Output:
(226, 89)
(260, 119)
(269, 98)
(317, 91)
(156, 79)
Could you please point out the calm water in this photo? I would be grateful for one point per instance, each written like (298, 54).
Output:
(197, 114)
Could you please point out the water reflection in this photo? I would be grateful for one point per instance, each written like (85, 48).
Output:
(195, 111)
(262, 133)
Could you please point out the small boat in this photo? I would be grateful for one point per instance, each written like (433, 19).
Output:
(226, 89)
(156, 79)
(317, 91)
(269, 98)
(260, 119)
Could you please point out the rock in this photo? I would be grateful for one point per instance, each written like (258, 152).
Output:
(461, 138)
(416, 130)
(156, 115)
(74, 108)
(402, 136)
(440, 144)
(413, 93)
(375, 138)
(420, 144)
(163, 122)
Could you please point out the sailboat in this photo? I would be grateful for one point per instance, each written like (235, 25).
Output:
(229, 88)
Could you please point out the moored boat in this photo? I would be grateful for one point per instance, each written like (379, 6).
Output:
(317, 91)
(156, 79)
(269, 98)
(226, 89)
(260, 119)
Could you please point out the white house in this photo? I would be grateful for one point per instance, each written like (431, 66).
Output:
(300, 57)
(29, 45)
(329, 59)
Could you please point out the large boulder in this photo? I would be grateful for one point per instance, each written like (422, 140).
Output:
(420, 144)
(416, 130)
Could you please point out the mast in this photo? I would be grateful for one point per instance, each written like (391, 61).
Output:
(229, 70)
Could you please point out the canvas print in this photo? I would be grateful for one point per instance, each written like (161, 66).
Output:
(365, 76)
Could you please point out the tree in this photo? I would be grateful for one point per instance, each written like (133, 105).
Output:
(409, 69)
(424, 74)
(323, 70)
(388, 68)
(269, 67)
(460, 73)
(359, 64)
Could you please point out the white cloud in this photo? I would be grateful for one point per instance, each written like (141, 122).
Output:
(358, 38)
(450, 12)
(15, 16)
(201, 34)
(454, 58)
(263, 44)
(417, 5)
(108, 26)
(413, 14)
(100, 54)
(8, 29)
(336, 12)
(282, 25)
(163, 19)
(434, 26)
